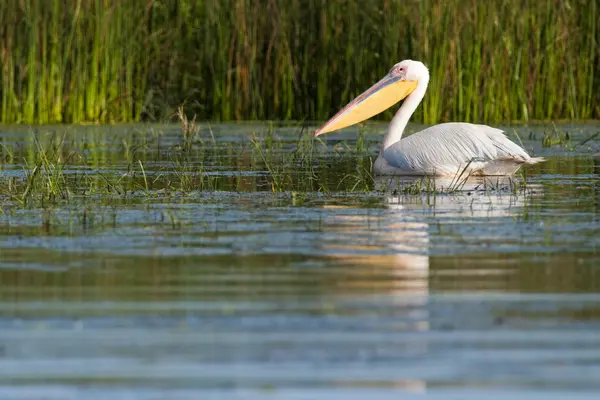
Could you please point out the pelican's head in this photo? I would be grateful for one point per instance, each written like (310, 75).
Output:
(411, 70)
(393, 87)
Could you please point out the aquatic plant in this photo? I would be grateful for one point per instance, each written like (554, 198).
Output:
(74, 164)
(279, 177)
(46, 173)
(107, 61)
(554, 136)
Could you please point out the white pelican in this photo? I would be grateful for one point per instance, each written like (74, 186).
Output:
(444, 149)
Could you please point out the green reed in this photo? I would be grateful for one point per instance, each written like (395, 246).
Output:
(115, 61)
(73, 61)
(103, 61)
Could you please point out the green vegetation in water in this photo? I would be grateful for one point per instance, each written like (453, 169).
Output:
(554, 136)
(50, 168)
(107, 61)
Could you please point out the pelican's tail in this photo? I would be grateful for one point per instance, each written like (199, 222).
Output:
(535, 160)
(520, 159)
(507, 165)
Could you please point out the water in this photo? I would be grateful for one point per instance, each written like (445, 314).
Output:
(324, 290)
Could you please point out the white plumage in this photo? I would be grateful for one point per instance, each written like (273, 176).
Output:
(444, 149)
(447, 149)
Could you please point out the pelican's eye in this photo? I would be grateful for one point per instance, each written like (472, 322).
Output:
(398, 71)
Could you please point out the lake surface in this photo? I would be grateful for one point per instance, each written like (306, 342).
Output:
(157, 266)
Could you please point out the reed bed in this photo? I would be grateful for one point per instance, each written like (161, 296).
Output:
(65, 61)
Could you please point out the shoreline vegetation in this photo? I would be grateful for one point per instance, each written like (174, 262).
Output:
(105, 61)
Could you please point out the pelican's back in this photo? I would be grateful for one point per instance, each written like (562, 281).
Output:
(446, 149)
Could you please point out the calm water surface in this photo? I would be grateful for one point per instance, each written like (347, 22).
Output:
(324, 290)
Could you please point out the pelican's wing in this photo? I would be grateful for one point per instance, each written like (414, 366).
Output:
(444, 148)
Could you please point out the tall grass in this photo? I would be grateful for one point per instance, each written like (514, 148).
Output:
(73, 61)
(111, 61)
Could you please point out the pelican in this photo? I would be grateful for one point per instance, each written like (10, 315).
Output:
(444, 149)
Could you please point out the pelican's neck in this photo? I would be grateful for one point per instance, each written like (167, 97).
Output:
(396, 127)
